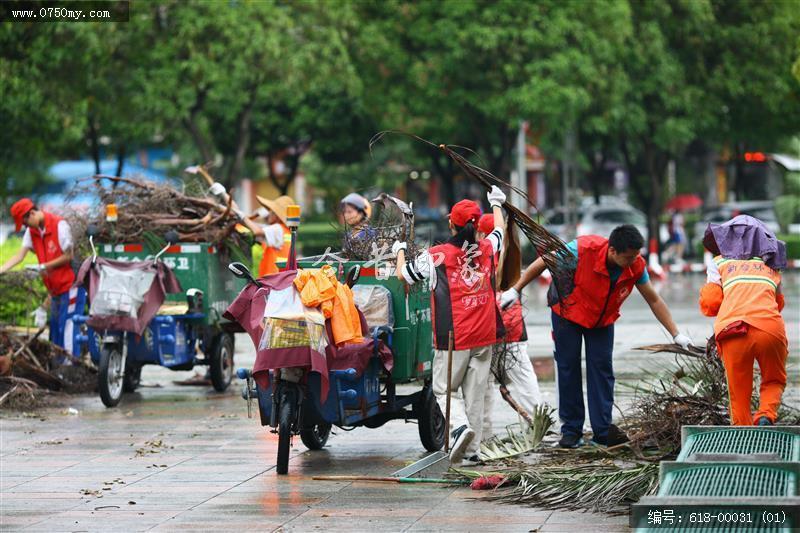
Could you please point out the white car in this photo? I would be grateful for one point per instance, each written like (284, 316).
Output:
(597, 220)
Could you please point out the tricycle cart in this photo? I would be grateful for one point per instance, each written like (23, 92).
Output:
(292, 400)
(187, 330)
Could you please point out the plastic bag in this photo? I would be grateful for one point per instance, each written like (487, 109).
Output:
(290, 324)
(120, 292)
(375, 301)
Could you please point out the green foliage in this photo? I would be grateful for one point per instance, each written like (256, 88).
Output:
(22, 291)
(10, 247)
(792, 245)
(314, 238)
(787, 209)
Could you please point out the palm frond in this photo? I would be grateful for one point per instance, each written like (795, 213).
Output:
(520, 438)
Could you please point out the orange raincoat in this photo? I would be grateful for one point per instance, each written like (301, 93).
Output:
(744, 296)
(320, 288)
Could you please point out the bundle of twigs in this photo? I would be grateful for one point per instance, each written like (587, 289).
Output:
(695, 394)
(147, 210)
(392, 221)
(559, 260)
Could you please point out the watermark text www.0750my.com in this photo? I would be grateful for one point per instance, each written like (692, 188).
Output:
(65, 11)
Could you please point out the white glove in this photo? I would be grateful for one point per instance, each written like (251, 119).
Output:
(35, 268)
(496, 197)
(262, 212)
(683, 340)
(218, 190)
(397, 246)
(39, 316)
(508, 297)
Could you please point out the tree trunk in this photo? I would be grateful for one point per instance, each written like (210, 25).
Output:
(120, 160)
(190, 123)
(243, 140)
(656, 162)
(446, 173)
(94, 144)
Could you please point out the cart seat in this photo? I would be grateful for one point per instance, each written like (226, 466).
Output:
(375, 302)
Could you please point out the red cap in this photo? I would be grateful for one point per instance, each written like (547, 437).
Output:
(486, 223)
(19, 210)
(465, 211)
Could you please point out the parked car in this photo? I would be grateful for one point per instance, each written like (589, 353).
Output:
(596, 220)
(762, 210)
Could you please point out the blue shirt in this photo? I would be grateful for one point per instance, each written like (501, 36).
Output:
(614, 272)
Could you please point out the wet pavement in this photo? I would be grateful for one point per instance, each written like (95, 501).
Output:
(186, 458)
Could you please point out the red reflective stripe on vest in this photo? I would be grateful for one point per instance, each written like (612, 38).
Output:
(464, 299)
(591, 304)
(59, 280)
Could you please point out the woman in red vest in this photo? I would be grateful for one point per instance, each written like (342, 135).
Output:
(522, 382)
(50, 238)
(463, 301)
(606, 271)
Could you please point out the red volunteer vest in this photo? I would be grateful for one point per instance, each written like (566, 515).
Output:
(59, 280)
(464, 298)
(594, 303)
(514, 323)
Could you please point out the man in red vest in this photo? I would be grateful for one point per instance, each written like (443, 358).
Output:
(50, 238)
(606, 271)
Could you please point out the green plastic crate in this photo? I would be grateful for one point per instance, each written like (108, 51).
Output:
(196, 265)
(698, 441)
(730, 480)
(412, 341)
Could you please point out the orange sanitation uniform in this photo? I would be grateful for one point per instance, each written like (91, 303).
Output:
(745, 297)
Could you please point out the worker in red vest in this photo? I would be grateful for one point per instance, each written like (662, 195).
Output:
(522, 382)
(50, 238)
(606, 271)
(463, 301)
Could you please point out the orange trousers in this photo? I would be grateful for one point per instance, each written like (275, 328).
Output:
(738, 355)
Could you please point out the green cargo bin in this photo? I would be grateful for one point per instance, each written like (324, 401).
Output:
(704, 443)
(412, 341)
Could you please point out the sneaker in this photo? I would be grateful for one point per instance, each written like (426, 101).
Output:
(764, 421)
(472, 460)
(570, 441)
(614, 437)
(461, 438)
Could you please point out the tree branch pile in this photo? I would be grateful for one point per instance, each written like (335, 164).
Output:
(29, 371)
(610, 479)
(146, 209)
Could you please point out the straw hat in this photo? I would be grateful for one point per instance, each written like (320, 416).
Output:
(277, 206)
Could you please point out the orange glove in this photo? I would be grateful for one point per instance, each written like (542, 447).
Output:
(781, 301)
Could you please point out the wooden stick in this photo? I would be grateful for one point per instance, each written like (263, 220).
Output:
(504, 392)
(33, 359)
(28, 342)
(3, 397)
(449, 390)
(388, 479)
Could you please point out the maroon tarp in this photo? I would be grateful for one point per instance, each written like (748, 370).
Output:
(248, 310)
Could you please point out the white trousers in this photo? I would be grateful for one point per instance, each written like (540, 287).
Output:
(522, 384)
(470, 374)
